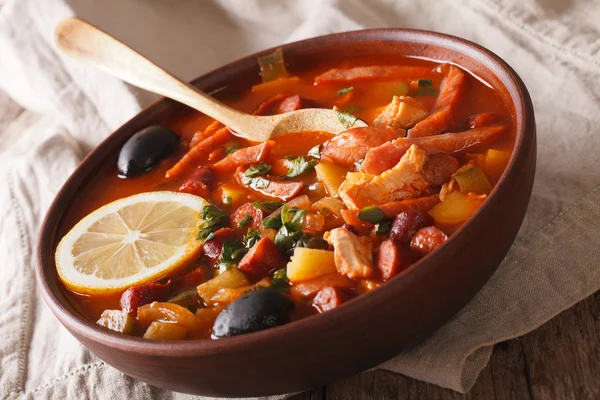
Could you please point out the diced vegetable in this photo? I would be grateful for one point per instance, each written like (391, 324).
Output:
(118, 321)
(332, 205)
(372, 214)
(310, 263)
(230, 278)
(272, 66)
(331, 175)
(235, 195)
(313, 223)
(473, 180)
(185, 299)
(165, 331)
(495, 162)
(287, 85)
(226, 296)
(171, 313)
(456, 208)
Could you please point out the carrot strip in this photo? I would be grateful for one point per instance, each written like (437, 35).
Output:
(374, 72)
(199, 153)
(278, 85)
(452, 90)
(421, 204)
(387, 155)
(201, 135)
(246, 156)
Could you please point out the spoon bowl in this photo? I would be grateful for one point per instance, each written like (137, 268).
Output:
(89, 44)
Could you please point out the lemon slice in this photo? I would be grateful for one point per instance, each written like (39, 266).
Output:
(130, 241)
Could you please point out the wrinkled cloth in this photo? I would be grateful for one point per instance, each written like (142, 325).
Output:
(53, 111)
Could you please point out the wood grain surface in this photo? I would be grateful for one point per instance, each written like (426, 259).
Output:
(559, 360)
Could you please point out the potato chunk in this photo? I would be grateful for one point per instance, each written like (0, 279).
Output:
(331, 175)
(230, 279)
(310, 263)
(117, 320)
(165, 331)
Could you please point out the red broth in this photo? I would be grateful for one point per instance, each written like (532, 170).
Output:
(365, 100)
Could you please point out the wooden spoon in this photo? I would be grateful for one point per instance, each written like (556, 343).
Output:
(89, 44)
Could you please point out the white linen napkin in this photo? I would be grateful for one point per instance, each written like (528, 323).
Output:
(54, 110)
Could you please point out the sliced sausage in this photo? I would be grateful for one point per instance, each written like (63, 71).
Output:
(439, 169)
(262, 259)
(427, 239)
(329, 298)
(244, 157)
(393, 258)
(139, 295)
(247, 210)
(310, 287)
(200, 183)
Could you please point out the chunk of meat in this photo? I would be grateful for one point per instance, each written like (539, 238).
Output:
(292, 103)
(439, 169)
(190, 280)
(212, 248)
(263, 259)
(407, 223)
(403, 112)
(352, 145)
(247, 210)
(373, 72)
(441, 116)
(352, 253)
(404, 181)
(199, 153)
(427, 239)
(283, 190)
(387, 155)
(267, 106)
(310, 287)
(421, 204)
(482, 119)
(200, 183)
(329, 298)
(244, 157)
(392, 259)
(139, 295)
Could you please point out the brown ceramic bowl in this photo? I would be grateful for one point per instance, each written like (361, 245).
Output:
(362, 332)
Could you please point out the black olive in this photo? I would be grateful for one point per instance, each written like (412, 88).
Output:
(145, 149)
(254, 311)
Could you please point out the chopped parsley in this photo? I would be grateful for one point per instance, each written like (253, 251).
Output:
(268, 206)
(214, 219)
(250, 238)
(343, 91)
(280, 280)
(372, 214)
(290, 233)
(383, 227)
(257, 170)
(315, 151)
(231, 149)
(346, 118)
(246, 219)
(300, 165)
(256, 183)
(232, 253)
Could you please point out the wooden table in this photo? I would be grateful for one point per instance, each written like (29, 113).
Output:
(559, 360)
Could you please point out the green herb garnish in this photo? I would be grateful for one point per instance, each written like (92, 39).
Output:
(424, 82)
(346, 118)
(250, 238)
(232, 253)
(246, 219)
(231, 149)
(214, 219)
(315, 151)
(272, 222)
(343, 91)
(257, 170)
(290, 233)
(268, 206)
(257, 183)
(372, 214)
(227, 200)
(383, 227)
(280, 280)
(300, 165)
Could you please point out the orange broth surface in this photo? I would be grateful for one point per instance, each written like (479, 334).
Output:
(366, 101)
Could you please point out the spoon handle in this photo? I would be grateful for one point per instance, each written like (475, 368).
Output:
(91, 45)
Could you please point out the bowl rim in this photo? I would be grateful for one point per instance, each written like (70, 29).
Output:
(525, 125)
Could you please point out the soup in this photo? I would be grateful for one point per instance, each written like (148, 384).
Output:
(271, 232)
